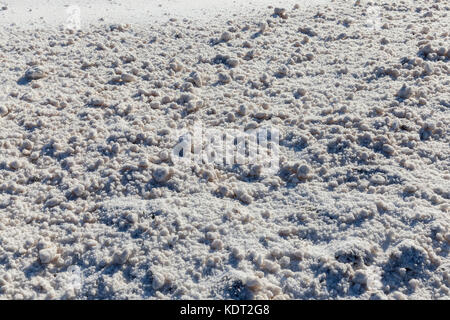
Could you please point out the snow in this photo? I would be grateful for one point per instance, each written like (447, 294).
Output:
(348, 198)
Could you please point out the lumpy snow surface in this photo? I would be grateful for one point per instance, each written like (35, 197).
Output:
(94, 97)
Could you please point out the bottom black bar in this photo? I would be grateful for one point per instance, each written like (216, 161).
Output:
(214, 309)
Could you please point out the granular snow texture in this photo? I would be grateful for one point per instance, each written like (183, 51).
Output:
(92, 205)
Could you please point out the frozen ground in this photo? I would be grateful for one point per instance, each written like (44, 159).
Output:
(93, 204)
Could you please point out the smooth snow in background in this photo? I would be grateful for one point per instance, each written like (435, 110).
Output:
(39, 13)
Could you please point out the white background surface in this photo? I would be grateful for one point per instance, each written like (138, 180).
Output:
(54, 12)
